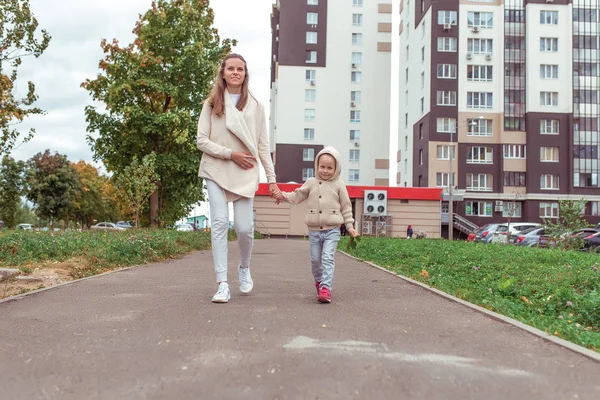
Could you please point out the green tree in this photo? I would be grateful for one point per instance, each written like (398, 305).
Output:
(52, 184)
(91, 203)
(137, 182)
(18, 39)
(12, 180)
(153, 90)
(570, 219)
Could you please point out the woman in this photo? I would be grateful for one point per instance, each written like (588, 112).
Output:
(232, 134)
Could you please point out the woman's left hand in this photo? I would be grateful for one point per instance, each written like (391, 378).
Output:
(274, 189)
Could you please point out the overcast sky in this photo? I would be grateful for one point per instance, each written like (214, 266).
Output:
(78, 26)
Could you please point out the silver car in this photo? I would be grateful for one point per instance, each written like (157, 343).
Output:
(529, 237)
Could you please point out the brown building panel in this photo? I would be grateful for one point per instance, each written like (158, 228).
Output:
(381, 163)
(384, 46)
(289, 162)
(385, 8)
(384, 27)
(421, 137)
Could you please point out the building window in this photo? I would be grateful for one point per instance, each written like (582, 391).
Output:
(481, 73)
(354, 116)
(447, 44)
(357, 3)
(549, 182)
(309, 134)
(307, 173)
(515, 151)
(441, 179)
(422, 105)
(406, 73)
(421, 157)
(548, 210)
(309, 114)
(312, 2)
(478, 208)
(480, 155)
(586, 151)
(479, 127)
(549, 154)
(480, 19)
(353, 175)
(357, 38)
(312, 18)
(311, 37)
(446, 17)
(585, 14)
(311, 57)
(354, 155)
(356, 58)
(310, 94)
(585, 97)
(585, 180)
(443, 152)
(406, 98)
(446, 98)
(354, 135)
(406, 120)
(422, 79)
(355, 96)
(445, 125)
(549, 126)
(357, 19)
(548, 98)
(423, 54)
(423, 29)
(308, 154)
(514, 16)
(446, 71)
(549, 45)
(512, 209)
(548, 71)
(514, 179)
(311, 75)
(479, 182)
(480, 46)
(594, 208)
(549, 17)
(479, 100)
(356, 76)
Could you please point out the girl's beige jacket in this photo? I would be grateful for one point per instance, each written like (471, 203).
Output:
(244, 131)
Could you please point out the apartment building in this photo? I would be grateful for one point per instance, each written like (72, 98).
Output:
(508, 90)
(330, 85)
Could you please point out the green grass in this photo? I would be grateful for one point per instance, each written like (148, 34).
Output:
(553, 290)
(98, 251)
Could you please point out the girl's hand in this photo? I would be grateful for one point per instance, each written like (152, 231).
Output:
(244, 160)
(352, 232)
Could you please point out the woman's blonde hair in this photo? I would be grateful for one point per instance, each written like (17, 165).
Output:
(216, 99)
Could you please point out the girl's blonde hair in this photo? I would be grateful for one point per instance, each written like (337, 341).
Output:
(216, 99)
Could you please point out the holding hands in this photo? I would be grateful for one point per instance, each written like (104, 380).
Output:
(352, 232)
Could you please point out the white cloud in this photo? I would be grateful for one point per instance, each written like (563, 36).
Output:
(78, 26)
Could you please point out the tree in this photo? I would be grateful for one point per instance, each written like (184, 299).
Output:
(153, 90)
(570, 219)
(12, 180)
(91, 203)
(137, 183)
(52, 185)
(18, 39)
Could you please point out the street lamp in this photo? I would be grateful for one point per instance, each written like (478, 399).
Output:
(450, 180)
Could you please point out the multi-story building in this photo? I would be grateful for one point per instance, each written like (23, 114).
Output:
(330, 85)
(508, 90)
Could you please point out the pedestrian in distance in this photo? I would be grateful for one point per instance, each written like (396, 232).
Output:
(232, 135)
(329, 207)
(409, 232)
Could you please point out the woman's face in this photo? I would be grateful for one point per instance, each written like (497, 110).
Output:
(234, 73)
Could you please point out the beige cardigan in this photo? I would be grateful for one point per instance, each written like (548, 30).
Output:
(218, 137)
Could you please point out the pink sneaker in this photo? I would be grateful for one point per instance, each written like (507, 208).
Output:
(324, 295)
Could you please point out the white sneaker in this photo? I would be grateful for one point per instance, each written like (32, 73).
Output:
(223, 295)
(246, 283)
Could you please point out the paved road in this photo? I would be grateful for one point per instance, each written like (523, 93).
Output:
(151, 332)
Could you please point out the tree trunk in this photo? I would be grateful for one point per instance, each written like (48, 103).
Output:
(154, 209)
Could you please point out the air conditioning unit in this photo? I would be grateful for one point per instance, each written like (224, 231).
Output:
(488, 57)
(499, 203)
(312, 83)
(356, 144)
(353, 65)
(475, 29)
(447, 27)
(375, 202)
(352, 104)
(380, 228)
(469, 56)
(366, 228)
(499, 208)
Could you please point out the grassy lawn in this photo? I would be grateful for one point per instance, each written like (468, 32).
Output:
(96, 252)
(553, 290)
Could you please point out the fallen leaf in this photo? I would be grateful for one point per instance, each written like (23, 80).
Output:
(424, 273)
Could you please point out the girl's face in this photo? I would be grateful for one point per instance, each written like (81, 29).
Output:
(326, 166)
(234, 73)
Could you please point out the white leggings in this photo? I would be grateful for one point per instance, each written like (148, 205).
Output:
(243, 224)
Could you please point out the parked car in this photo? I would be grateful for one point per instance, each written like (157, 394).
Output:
(184, 227)
(124, 224)
(25, 227)
(500, 235)
(529, 237)
(592, 241)
(485, 233)
(585, 233)
(107, 226)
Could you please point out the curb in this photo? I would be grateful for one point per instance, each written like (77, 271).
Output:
(498, 317)
(32, 292)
